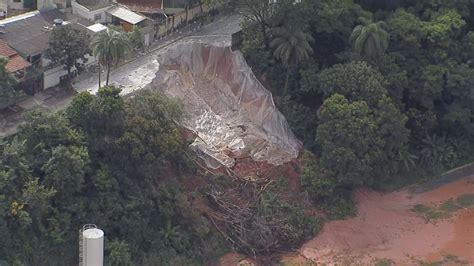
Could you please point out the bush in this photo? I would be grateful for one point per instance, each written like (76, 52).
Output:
(332, 198)
(313, 179)
(340, 205)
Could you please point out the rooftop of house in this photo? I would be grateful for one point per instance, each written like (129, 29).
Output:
(29, 33)
(126, 15)
(95, 4)
(15, 61)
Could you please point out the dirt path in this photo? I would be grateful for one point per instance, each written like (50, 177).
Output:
(387, 228)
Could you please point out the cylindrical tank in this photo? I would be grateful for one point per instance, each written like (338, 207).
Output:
(93, 247)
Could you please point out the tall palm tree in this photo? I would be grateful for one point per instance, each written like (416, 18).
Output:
(291, 47)
(110, 46)
(370, 40)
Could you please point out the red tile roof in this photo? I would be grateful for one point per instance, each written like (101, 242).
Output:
(16, 63)
(6, 50)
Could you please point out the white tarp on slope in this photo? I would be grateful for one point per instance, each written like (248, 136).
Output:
(232, 114)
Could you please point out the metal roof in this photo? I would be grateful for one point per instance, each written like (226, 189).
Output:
(126, 15)
(97, 27)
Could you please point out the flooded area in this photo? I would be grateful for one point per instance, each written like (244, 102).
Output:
(388, 229)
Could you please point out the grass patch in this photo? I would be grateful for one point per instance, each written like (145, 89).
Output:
(429, 213)
(447, 260)
(450, 206)
(446, 209)
(383, 262)
(465, 200)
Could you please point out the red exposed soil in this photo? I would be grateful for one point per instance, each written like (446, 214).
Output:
(387, 228)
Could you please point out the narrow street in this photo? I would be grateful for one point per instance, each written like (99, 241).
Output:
(130, 76)
(139, 72)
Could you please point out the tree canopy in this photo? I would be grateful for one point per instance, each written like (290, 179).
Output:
(69, 47)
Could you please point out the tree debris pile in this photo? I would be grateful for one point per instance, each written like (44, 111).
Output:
(261, 218)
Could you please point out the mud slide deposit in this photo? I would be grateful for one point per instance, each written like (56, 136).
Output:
(231, 113)
(388, 229)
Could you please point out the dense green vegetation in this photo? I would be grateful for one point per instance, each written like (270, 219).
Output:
(119, 164)
(376, 90)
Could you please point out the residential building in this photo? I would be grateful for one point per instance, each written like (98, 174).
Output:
(167, 15)
(109, 12)
(29, 35)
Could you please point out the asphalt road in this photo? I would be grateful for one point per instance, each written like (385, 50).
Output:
(139, 72)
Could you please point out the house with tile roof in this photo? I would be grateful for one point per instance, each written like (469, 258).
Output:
(16, 64)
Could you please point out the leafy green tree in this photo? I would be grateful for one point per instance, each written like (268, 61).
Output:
(65, 171)
(370, 40)
(314, 180)
(349, 140)
(442, 26)
(291, 47)
(253, 47)
(43, 132)
(437, 154)
(151, 132)
(357, 81)
(457, 100)
(110, 47)
(136, 38)
(78, 111)
(8, 93)
(69, 47)
(118, 254)
(258, 12)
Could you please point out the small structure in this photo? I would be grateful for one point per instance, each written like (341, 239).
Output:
(126, 18)
(91, 246)
(97, 28)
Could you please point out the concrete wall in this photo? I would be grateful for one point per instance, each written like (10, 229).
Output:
(3, 8)
(179, 19)
(45, 4)
(15, 5)
(51, 77)
(82, 11)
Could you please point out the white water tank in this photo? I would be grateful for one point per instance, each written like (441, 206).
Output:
(93, 247)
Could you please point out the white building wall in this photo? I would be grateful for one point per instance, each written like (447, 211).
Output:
(15, 5)
(45, 4)
(3, 7)
(84, 12)
(51, 77)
